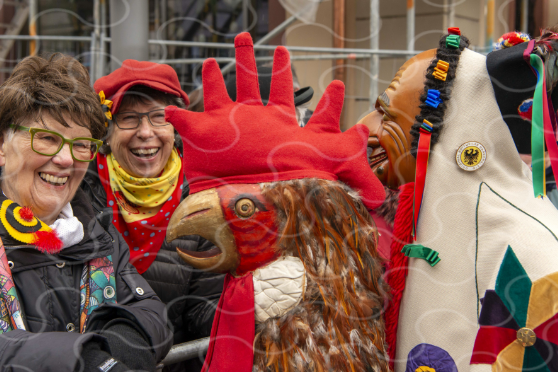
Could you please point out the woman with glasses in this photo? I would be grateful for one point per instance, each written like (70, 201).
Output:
(138, 179)
(69, 298)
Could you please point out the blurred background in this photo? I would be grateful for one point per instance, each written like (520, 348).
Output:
(361, 42)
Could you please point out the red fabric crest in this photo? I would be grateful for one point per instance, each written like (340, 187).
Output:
(246, 142)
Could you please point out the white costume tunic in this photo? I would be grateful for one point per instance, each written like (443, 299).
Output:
(471, 218)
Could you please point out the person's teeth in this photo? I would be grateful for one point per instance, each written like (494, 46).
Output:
(145, 151)
(53, 179)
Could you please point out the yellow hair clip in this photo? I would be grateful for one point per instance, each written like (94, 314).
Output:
(441, 70)
(106, 105)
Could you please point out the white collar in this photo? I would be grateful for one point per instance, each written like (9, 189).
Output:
(67, 227)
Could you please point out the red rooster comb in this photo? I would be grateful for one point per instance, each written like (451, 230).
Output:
(246, 142)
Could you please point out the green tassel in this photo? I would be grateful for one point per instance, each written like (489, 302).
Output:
(452, 41)
(537, 130)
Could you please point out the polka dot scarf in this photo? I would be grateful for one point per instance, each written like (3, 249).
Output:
(140, 197)
(142, 207)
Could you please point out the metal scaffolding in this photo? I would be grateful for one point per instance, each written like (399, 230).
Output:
(375, 46)
(99, 45)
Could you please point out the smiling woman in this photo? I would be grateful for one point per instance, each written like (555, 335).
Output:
(51, 122)
(139, 177)
(29, 99)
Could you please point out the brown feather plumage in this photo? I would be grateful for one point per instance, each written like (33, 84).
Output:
(338, 325)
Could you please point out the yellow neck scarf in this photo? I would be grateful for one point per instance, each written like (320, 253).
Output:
(140, 198)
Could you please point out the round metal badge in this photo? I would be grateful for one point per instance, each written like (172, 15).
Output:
(526, 337)
(470, 156)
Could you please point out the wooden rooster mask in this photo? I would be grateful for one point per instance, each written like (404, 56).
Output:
(246, 143)
(262, 189)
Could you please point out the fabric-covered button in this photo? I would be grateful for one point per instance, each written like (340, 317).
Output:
(140, 291)
(109, 292)
(60, 265)
(70, 327)
(526, 337)
(11, 264)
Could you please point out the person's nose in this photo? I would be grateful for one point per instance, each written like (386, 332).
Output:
(374, 123)
(145, 129)
(64, 158)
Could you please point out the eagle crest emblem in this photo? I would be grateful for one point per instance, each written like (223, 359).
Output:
(471, 156)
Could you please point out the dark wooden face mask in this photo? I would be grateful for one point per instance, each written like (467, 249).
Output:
(390, 125)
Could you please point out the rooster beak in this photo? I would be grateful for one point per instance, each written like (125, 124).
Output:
(201, 214)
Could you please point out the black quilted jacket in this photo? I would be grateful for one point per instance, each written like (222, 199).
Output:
(48, 287)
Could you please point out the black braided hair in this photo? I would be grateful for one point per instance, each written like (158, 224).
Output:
(436, 115)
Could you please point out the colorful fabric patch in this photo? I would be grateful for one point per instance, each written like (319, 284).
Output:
(10, 308)
(441, 70)
(97, 286)
(518, 323)
(452, 41)
(429, 358)
(425, 369)
(420, 251)
(28, 229)
(510, 39)
(454, 31)
(525, 109)
(433, 98)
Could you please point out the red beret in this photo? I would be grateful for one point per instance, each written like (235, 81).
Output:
(154, 75)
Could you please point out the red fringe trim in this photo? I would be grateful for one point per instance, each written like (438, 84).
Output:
(397, 268)
(47, 242)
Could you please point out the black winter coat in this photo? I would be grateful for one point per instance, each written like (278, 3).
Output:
(191, 295)
(48, 287)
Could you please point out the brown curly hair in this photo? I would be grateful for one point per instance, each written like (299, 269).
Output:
(58, 86)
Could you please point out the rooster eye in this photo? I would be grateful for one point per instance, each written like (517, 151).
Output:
(245, 208)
